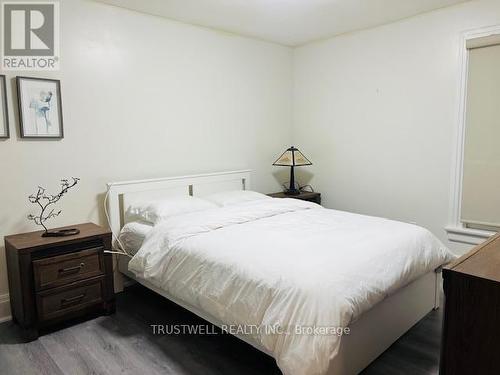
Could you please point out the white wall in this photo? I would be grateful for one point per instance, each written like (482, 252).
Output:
(146, 97)
(376, 112)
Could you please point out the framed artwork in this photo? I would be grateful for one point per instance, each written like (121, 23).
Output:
(4, 114)
(40, 107)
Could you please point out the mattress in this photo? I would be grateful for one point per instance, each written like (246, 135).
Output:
(288, 274)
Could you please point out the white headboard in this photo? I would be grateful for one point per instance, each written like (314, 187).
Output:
(120, 195)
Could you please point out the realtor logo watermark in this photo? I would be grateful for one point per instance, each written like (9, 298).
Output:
(30, 39)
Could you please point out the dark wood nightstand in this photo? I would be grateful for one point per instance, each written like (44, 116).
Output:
(305, 196)
(54, 279)
(470, 341)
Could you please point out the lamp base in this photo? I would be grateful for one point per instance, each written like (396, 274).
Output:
(292, 192)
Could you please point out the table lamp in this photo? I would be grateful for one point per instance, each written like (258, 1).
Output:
(292, 157)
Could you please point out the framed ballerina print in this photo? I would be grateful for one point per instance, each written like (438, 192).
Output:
(40, 107)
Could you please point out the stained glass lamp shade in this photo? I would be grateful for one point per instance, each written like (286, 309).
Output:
(292, 157)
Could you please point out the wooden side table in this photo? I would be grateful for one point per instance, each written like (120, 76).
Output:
(54, 279)
(305, 196)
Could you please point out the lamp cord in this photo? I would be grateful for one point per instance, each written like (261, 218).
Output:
(120, 249)
(303, 188)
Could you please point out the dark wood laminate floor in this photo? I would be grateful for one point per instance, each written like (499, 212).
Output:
(124, 344)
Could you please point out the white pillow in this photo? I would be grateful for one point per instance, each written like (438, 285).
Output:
(155, 211)
(132, 235)
(229, 198)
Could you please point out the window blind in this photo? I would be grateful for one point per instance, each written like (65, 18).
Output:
(481, 173)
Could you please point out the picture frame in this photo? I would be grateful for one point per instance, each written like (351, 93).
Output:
(4, 112)
(40, 108)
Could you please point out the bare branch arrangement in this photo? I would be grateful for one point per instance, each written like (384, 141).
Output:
(44, 201)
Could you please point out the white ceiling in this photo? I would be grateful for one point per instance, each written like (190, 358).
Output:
(288, 22)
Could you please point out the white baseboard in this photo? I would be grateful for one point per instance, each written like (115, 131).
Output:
(4, 308)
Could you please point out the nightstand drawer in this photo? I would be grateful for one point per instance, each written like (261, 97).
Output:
(60, 301)
(63, 269)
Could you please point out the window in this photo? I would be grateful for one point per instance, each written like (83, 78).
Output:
(481, 168)
(476, 209)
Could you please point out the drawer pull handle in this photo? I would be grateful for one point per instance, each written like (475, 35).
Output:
(69, 301)
(72, 269)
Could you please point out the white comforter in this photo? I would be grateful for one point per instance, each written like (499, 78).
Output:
(286, 263)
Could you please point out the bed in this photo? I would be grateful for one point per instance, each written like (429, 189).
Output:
(227, 266)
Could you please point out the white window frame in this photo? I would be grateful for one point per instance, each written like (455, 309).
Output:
(457, 231)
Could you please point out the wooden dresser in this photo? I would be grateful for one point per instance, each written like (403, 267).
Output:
(54, 279)
(471, 328)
